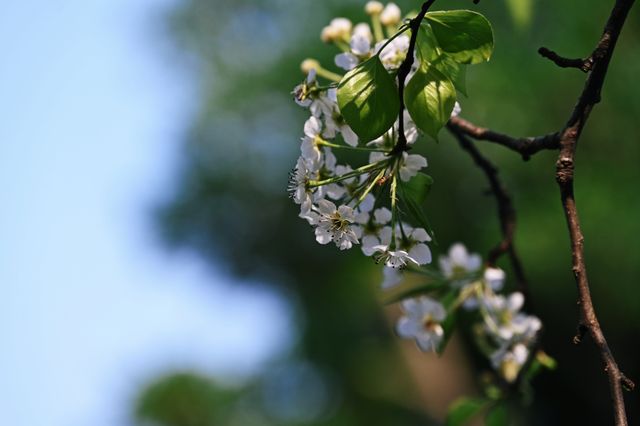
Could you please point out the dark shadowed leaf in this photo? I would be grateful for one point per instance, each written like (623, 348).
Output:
(498, 415)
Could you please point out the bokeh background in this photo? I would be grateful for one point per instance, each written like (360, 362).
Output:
(155, 273)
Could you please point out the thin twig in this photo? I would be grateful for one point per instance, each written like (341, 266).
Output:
(403, 73)
(583, 65)
(506, 214)
(524, 146)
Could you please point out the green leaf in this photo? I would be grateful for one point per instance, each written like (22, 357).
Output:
(426, 44)
(429, 98)
(465, 35)
(368, 99)
(412, 195)
(430, 54)
(456, 72)
(463, 410)
(418, 187)
(498, 415)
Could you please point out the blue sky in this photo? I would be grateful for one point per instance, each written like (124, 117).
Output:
(91, 114)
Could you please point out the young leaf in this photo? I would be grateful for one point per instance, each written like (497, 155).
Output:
(368, 99)
(426, 44)
(463, 410)
(456, 72)
(465, 35)
(429, 98)
(430, 54)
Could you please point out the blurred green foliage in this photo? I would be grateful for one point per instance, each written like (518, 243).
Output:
(230, 204)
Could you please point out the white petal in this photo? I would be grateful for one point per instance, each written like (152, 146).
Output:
(312, 127)
(346, 61)
(385, 235)
(392, 277)
(428, 342)
(432, 307)
(407, 328)
(360, 44)
(348, 135)
(326, 207)
(367, 204)
(382, 216)
(369, 242)
(323, 236)
(420, 235)
(515, 301)
(421, 254)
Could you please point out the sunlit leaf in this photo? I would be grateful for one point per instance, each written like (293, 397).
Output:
(430, 97)
(368, 99)
(465, 35)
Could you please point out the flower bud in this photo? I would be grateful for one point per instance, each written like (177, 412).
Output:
(342, 27)
(309, 64)
(328, 34)
(391, 15)
(373, 8)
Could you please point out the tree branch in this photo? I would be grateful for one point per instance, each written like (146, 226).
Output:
(565, 177)
(524, 146)
(566, 141)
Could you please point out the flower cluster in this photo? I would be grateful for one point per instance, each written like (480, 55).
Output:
(504, 333)
(347, 204)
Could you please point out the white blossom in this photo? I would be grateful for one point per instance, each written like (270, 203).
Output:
(298, 185)
(392, 258)
(494, 278)
(309, 148)
(415, 245)
(376, 233)
(422, 322)
(334, 224)
(411, 165)
(510, 360)
(458, 264)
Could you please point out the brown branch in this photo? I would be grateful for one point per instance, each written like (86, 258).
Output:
(584, 65)
(506, 213)
(524, 146)
(566, 140)
(565, 177)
